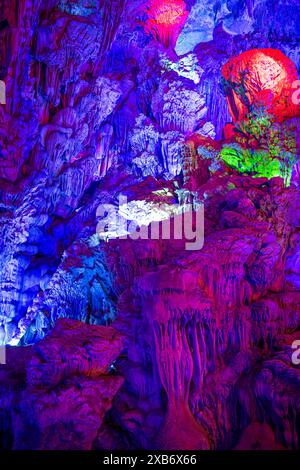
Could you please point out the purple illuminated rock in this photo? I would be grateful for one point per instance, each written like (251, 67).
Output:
(73, 349)
(61, 389)
(197, 353)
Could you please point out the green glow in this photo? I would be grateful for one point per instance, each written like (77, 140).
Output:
(263, 148)
(257, 163)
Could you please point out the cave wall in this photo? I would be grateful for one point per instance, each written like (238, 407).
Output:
(132, 97)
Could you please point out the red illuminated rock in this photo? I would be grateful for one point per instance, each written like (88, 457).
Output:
(166, 19)
(261, 78)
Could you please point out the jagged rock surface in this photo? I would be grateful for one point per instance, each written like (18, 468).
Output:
(60, 389)
(106, 98)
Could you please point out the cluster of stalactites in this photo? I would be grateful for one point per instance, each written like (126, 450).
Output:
(165, 20)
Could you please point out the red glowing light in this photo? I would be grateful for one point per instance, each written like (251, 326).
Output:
(263, 78)
(171, 12)
(166, 19)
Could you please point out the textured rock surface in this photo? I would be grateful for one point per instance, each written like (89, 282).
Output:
(73, 349)
(214, 323)
(121, 343)
(55, 394)
(264, 77)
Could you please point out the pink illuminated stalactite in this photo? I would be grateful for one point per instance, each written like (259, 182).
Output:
(176, 363)
(166, 18)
